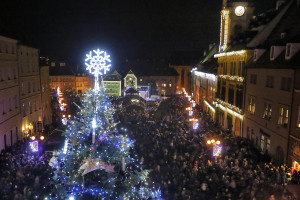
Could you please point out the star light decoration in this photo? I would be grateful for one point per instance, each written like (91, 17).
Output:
(97, 63)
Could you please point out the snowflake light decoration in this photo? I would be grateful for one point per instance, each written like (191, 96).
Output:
(97, 63)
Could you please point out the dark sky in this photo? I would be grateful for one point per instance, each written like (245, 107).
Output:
(126, 29)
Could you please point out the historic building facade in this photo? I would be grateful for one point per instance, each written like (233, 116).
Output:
(83, 81)
(130, 81)
(113, 84)
(10, 121)
(45, 94)
(30, 89)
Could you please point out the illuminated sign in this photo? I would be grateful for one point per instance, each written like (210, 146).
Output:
(217, 150)
(195, 125)
(34, 146)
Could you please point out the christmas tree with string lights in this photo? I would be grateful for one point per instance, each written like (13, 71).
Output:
(97, 162)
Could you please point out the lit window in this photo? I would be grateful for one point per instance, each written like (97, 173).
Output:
(268, 111)
(251, 107)
(262, 142)
(268, 144)
(283, 118)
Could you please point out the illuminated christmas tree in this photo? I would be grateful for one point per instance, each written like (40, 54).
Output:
(97, 162)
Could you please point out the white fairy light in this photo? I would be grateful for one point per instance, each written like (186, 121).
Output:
(97, 63)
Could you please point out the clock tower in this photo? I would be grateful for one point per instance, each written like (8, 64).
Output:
(235, 18)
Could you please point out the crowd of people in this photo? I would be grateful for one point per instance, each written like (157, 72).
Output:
(184, 167)
(181, 162)
(23, 174)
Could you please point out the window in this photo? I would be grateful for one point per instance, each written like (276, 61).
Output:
(16, 101)
(24, 110)
(288, 50)
(283, 118)
(262, 142)
(241, 68)
(29, 87)
(286, 83)
(252, 136)
(298, 122)
(225, 68)
(270, 81)
(248, 133)
(239, 96)
(141, 80)
(265, 143)
(253, 78)
(268, 145)
(251, 107)
(233, 68)
(272, 52)
(267, 111)
(231, 94)
(30, 108)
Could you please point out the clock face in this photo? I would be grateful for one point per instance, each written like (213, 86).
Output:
(239, 10)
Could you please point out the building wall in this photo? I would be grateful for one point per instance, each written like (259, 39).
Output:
(45, 94)
(294, 139)
(83, 82)
(112, 88)
(10, 121)
(30, 90)
(268, 131)
(230, 90)
(130, 80)
(204, 89)
(183, 78)
(62, 81)
(166, 85)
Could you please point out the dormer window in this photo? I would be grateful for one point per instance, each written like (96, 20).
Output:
(282, 35)
(276, 51)
(288, 50)
(272, 53)
(291, 50)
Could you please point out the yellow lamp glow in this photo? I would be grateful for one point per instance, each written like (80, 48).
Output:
(208, 142)
(32, 138)
(42, 137)
(212, 141)
(218, 142)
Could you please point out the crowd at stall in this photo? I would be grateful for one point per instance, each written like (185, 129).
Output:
(184, 167)
(23, 174)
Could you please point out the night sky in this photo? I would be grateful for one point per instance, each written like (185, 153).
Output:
(126, 29)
